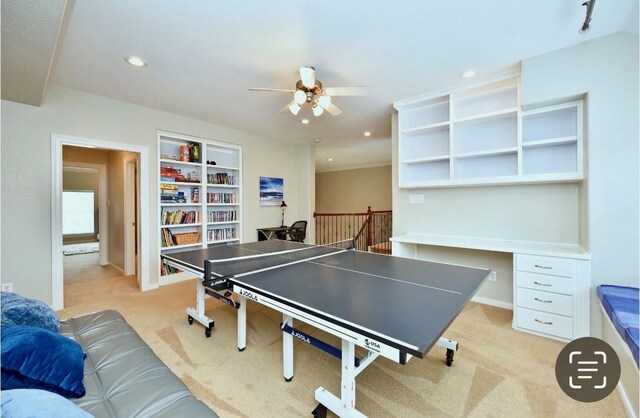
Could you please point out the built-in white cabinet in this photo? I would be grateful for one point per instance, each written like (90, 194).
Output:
(551, 296)
(551, 281)
(480, 136)
(200, 195)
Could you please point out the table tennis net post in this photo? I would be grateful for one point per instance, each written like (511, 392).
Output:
(233, 267)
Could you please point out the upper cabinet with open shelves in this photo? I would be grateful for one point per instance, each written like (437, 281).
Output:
(480, 136)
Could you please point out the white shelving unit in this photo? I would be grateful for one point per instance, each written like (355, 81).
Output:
(205, 182)
(480, 136)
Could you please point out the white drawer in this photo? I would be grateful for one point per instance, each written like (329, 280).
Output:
(544, 301)
(544, 282)
(546, 265)
(546, 323)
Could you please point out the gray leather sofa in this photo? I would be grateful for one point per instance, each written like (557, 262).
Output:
(122, 375)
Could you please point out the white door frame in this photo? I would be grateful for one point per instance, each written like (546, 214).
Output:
(129, 215)
(103, 212)
(57, 273)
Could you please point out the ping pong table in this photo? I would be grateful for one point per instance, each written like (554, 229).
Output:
(392, 307)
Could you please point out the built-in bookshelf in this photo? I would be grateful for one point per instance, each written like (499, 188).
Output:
(200, 195)
(479, 135)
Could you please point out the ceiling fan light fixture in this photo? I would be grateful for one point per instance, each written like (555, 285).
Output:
(294, 108)
(324, 101)
(300, 97)
(317, 110)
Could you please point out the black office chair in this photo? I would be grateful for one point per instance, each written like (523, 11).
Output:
(298, 231)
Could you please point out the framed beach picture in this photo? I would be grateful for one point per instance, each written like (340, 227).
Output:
(271, 191)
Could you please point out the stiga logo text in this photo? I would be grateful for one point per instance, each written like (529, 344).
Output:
(371, 345)
(248, 295)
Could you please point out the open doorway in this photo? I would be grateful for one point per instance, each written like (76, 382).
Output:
(84, 209)
(122, 195)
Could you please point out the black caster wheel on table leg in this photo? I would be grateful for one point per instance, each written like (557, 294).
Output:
(190, 319)
(289, 379)
(320, 411)
(207, 332)
(450, 353)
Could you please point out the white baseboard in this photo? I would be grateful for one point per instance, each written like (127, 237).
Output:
(120, 270)
(492, 302)
(175, 278)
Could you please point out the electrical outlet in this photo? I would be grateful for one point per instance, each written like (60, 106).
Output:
(7, 287)
(492, 276)
(416, 198)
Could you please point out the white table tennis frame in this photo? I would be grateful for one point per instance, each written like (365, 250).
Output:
(345, 405)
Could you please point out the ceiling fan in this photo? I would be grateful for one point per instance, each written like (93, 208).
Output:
(309, 90)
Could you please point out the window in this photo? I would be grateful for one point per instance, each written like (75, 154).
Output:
(78, 213)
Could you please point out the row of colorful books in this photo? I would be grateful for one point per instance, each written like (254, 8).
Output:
(222, 178)
(221, 198)
(166, 269)
(177, 217)
(222, 216)
(220, 234)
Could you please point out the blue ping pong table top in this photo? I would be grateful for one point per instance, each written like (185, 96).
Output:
(406, 300)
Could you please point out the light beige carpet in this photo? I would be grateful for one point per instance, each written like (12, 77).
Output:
(497, 372)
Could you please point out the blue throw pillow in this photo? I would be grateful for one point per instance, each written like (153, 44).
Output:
(34, 358)
(35, 403)
(18, 310)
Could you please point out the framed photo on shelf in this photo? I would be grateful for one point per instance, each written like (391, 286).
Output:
(271, 191)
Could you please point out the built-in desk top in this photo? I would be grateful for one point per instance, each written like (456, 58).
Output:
(493, 244)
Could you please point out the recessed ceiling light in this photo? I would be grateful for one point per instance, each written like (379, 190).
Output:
(329, 159)
(367, 133)
(468, 74)
(135, 61)
(305, 121)
(316, 140)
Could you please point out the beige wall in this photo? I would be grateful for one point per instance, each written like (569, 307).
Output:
(85, 155)
(83, 181)
(354, 190)
(26, 199)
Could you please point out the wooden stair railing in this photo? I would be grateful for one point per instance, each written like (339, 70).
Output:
(371, 229)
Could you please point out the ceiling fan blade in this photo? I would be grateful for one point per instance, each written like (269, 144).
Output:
(346, 91)
(333, 110)
(285, 109)
(308, 77)
(268, 89)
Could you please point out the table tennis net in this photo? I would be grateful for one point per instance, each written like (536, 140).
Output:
(263, 261)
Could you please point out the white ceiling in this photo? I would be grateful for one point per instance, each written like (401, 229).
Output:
(204, 55)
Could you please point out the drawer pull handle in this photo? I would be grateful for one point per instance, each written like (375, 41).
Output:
(543, 284)
(543, 301)
(543, 267)
(543, 322)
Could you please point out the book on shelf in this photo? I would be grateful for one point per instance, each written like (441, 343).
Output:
(166, 269)
(195, 195)
(167, 238)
